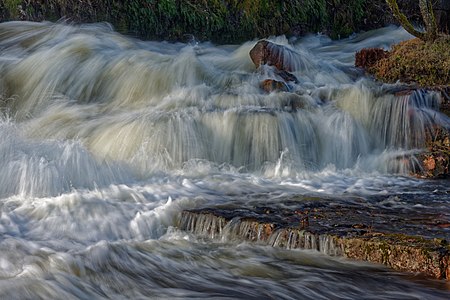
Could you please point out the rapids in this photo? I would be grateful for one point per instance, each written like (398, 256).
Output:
(105, 139)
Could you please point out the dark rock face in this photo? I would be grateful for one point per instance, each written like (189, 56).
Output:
(287, 76)
(442, 14)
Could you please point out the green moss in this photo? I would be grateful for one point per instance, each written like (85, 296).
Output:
(13, 7)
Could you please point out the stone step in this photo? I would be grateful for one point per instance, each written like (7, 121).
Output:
(335, 236)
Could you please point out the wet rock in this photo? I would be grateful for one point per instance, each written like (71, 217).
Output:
(445, 99)
(338, 230)
(436, 159)
(297, 102)
(278, 56)
(400, 252)
(287, 76)
(272, 85)
(268, 53)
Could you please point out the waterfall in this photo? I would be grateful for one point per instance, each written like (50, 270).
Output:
(155, 108)
(109, 144)
(213, 226)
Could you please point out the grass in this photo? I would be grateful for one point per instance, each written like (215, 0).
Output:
(223, 21)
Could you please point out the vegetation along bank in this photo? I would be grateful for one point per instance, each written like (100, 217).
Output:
(221, 21)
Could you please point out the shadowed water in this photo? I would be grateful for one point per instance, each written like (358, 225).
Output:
(106, 139)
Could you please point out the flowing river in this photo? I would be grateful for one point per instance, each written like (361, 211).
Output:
(105, 139)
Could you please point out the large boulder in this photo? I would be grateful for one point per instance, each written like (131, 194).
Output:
(278, 56)
(268, 53)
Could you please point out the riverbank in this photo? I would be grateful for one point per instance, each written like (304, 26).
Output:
(218, 21)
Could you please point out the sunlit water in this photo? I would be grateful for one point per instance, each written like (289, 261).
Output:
(106, 139)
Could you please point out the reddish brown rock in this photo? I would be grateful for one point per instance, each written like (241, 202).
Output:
(436, 159)
(400, 252)
(367, 57)
(271, 85)
(268, 53)
(429, 163)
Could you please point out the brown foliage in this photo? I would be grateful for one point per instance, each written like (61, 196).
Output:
(367, 57)
(416, 61)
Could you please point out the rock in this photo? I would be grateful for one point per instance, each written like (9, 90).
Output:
(272, 85)
(436, 159)
(278, 56)
(297, 102)
(268, 53)
(429, 163)
(367, 57)
(400, 252)
(445, 99)
(338, 231)
(287, 76)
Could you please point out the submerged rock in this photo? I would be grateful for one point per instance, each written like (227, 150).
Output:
(271, 85)
(435, 159)
(287, 76)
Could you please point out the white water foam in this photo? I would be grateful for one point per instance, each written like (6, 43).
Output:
(105, 139)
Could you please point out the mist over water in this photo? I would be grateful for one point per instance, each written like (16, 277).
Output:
(106, 139)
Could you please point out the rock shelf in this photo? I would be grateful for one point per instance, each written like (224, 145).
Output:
(415, 243)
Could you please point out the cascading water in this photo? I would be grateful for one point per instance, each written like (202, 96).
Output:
(105, 139)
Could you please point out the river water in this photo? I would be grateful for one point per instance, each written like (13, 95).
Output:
(105, 139)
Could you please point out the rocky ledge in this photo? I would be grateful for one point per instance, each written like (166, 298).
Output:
(425, 67)
(403, 241)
